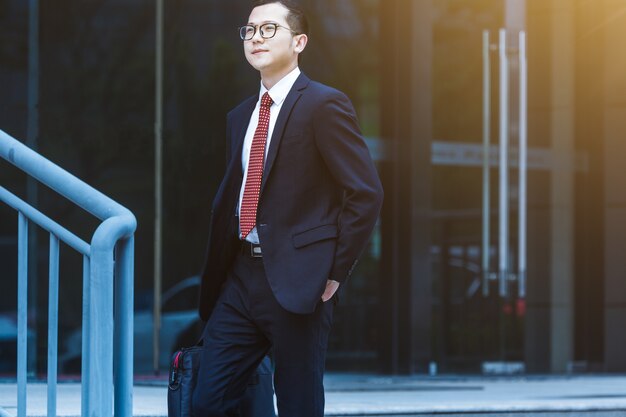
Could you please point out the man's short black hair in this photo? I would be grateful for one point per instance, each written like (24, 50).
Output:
(295, 18)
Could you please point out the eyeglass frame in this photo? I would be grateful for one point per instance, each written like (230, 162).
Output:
(261, 31)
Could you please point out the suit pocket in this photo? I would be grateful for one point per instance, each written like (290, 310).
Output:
(317, 234)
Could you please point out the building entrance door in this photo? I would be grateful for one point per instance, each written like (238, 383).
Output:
(479, 189)
(502, 267)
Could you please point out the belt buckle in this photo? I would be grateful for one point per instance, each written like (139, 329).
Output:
(255, 251)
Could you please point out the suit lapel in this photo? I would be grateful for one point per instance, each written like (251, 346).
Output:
(292, 98)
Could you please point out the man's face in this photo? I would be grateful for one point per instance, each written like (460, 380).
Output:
(275, 54)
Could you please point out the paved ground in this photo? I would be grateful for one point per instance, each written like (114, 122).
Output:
(362, 395)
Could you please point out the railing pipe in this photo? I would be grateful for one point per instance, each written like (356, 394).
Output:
(123, 352)
(58, 179)
(22, 312)
(100, 342)
(53, 324)
(100, 350)
(44, 221)
(86, 325)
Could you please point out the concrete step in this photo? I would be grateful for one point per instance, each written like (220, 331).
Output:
(362, 395)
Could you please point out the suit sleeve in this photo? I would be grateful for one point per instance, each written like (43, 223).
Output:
(347, 157)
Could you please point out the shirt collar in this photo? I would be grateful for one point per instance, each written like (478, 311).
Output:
(279, 91)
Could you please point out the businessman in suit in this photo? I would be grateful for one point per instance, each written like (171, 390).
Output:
(295, 209)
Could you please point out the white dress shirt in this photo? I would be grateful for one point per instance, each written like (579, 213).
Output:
(278, 93)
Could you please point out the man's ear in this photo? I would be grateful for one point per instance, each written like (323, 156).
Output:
(301, 41)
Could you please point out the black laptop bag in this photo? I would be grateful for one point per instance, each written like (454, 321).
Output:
(258, 400)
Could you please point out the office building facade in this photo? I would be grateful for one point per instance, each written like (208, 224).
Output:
(483, 261)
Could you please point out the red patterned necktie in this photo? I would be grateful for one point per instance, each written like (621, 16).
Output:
(256, 161)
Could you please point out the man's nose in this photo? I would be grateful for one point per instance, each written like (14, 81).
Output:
(257, 36)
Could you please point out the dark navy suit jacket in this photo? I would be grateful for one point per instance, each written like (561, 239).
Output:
(320, 198)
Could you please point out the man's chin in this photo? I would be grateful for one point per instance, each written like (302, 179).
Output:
(257, 63)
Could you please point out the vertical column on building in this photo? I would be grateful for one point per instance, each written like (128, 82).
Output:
(537, 318)
(589, 215)
(562, 184)
(405, 82)
(549, 332)
(615, 187)
(421, 142)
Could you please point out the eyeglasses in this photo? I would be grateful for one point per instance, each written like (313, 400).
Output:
(267, 31)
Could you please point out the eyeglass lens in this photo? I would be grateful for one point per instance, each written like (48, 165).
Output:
(267, 30)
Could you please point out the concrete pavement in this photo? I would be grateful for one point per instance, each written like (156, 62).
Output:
(369, 395)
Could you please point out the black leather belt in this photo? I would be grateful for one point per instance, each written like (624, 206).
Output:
(253, 250)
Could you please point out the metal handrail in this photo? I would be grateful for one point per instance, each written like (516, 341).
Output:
(107, 334)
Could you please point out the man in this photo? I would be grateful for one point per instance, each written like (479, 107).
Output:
(298, 202)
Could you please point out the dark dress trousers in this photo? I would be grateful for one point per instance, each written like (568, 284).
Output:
(320, 199)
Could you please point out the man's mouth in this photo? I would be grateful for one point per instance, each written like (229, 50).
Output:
(257, 51)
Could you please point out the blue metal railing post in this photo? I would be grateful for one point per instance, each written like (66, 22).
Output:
(22, 312)
(110, 232)
(123, 353)
(100, 342)
(86, 324)
(53, 325)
